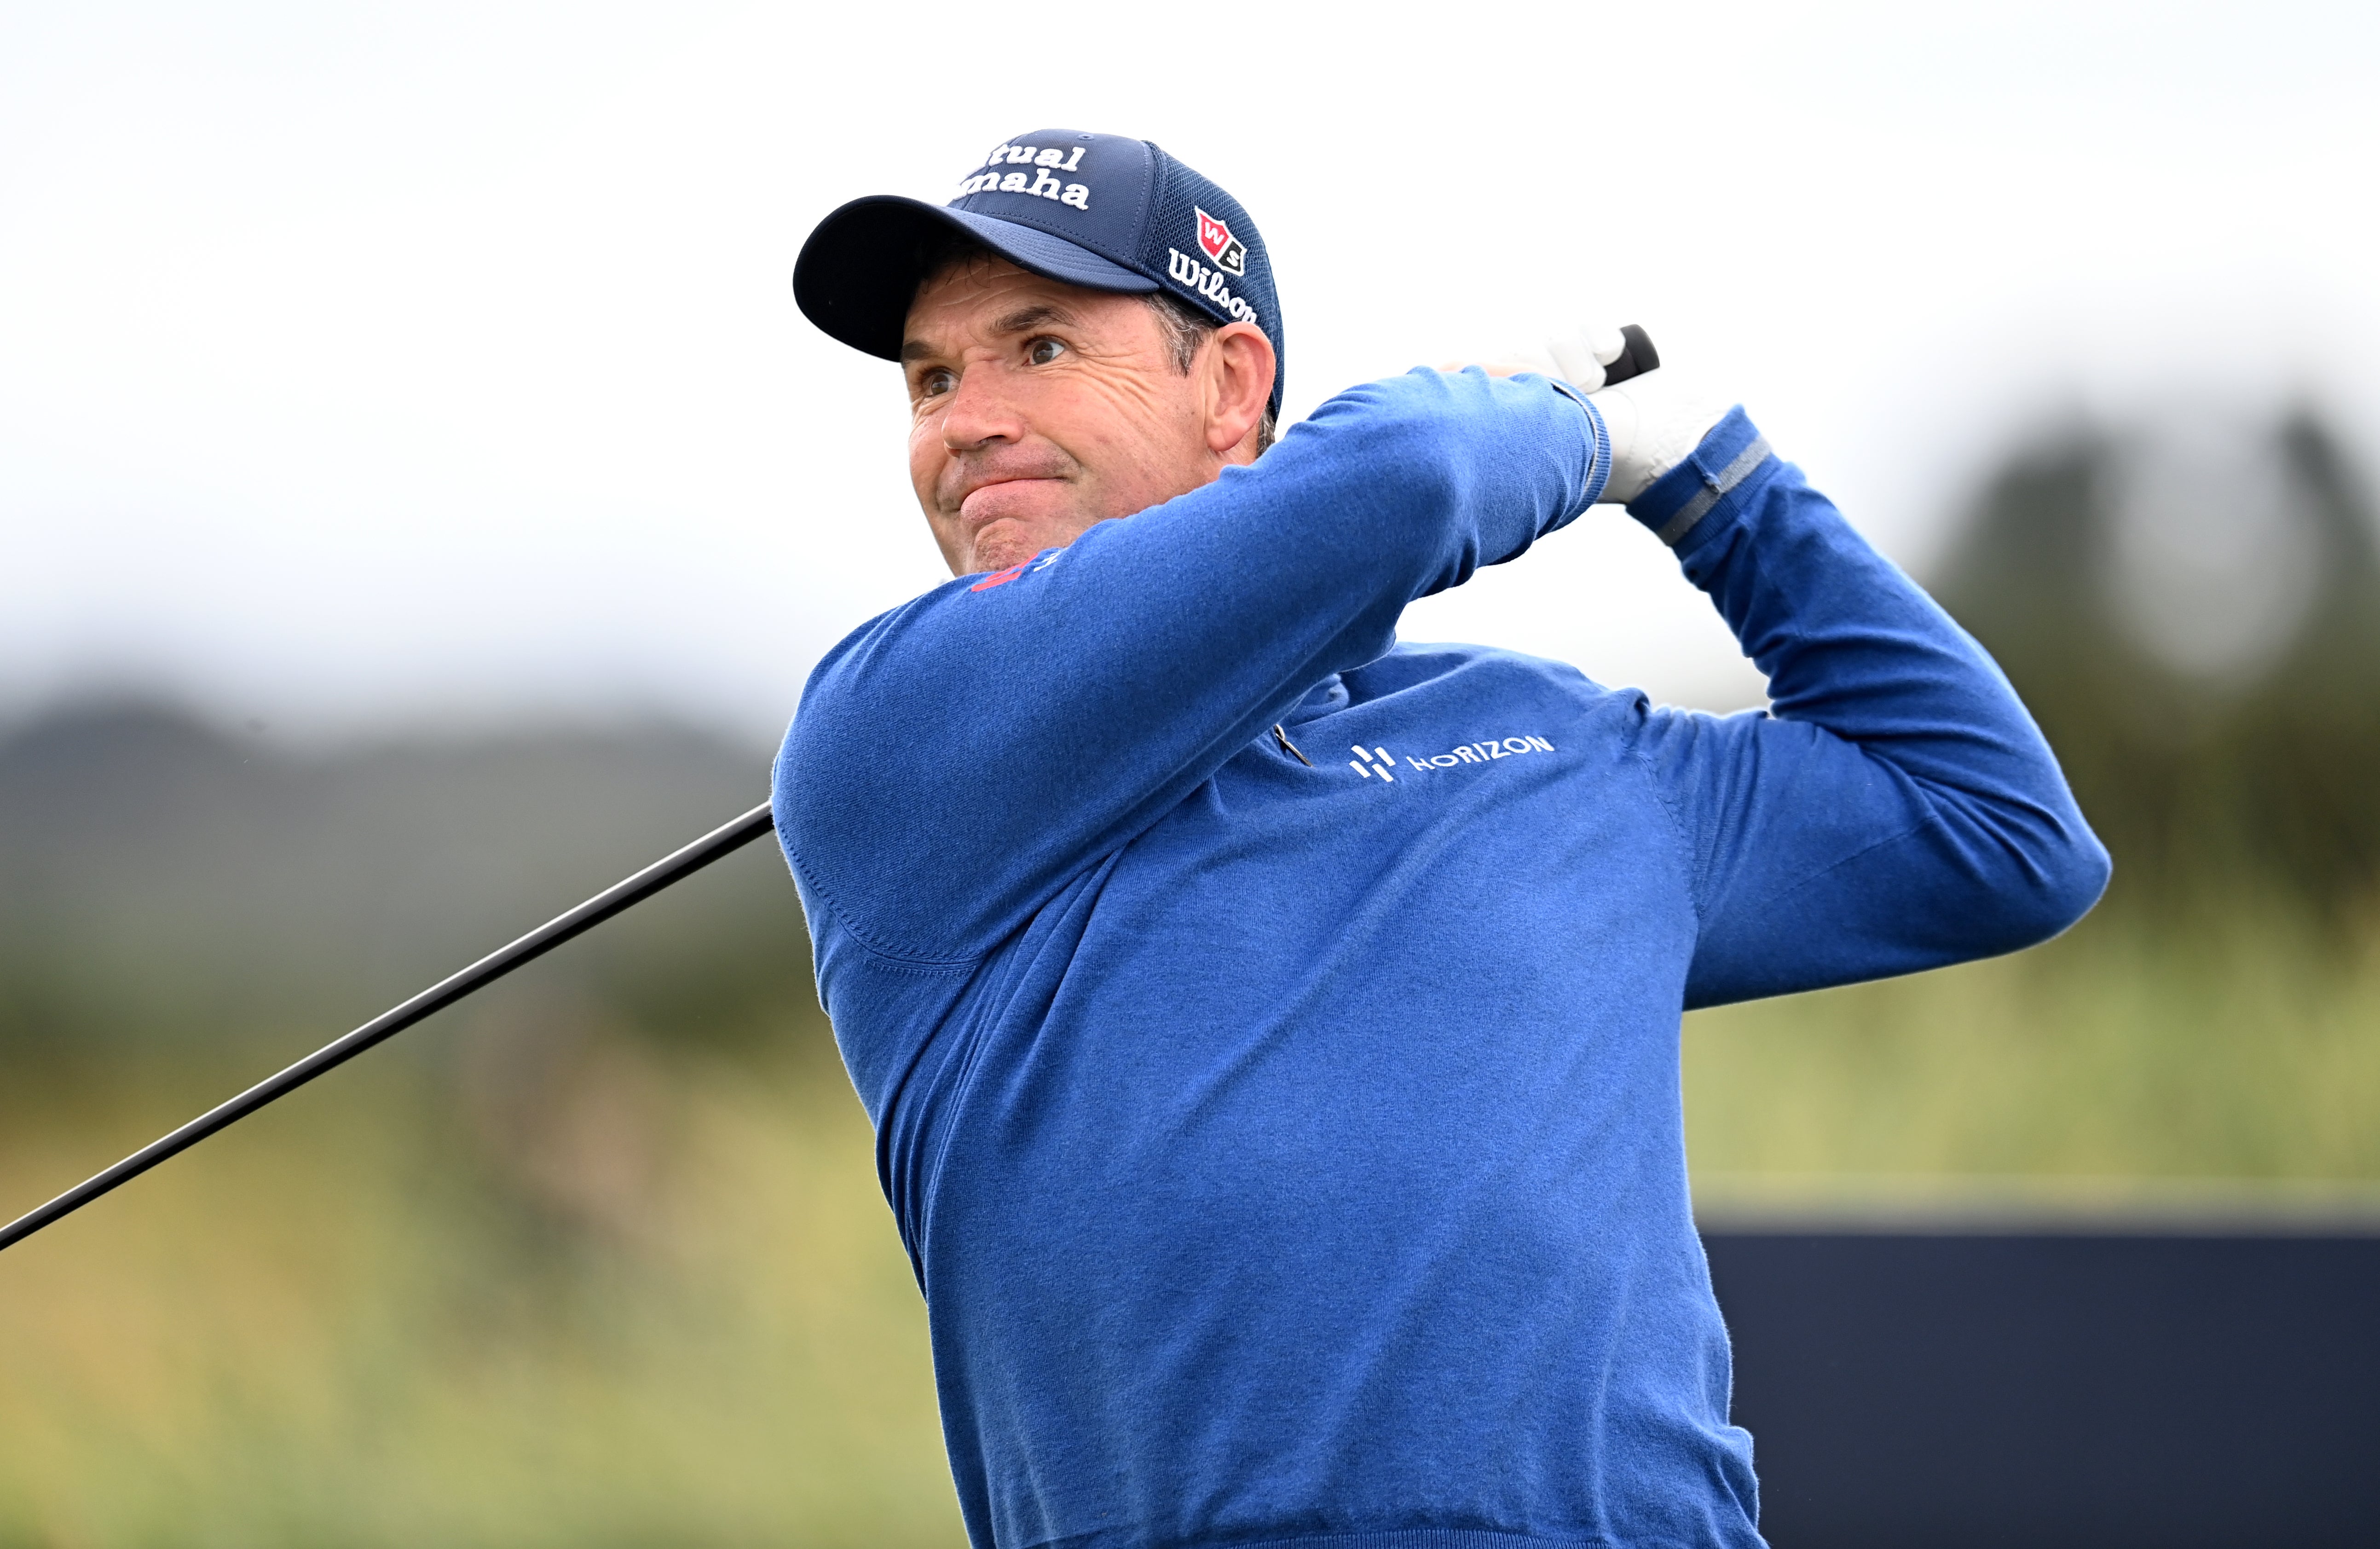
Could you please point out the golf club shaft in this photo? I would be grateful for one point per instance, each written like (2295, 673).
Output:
(486, 970)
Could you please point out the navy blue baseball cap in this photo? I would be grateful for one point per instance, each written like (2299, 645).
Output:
(1095, 210)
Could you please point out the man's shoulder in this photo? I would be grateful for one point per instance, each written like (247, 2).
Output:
(1419, 668)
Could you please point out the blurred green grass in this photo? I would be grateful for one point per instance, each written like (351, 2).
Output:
(2128, 1064)
(676, 1313)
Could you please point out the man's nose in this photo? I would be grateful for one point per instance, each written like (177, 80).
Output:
(980, 412)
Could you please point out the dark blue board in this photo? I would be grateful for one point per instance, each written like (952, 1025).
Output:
(2159, 1391)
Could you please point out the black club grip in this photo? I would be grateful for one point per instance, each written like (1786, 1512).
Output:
(1638, 356)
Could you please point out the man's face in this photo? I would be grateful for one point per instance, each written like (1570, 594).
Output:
(1040, 408)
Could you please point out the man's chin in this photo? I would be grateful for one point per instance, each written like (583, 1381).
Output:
(1011, 541)
(999, 548)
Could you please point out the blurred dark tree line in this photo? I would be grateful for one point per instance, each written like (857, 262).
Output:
(2219, 785)
(166, 880)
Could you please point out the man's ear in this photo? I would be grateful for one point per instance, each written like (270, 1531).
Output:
(1239, 366)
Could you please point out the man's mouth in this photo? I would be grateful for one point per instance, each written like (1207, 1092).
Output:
(982, 503)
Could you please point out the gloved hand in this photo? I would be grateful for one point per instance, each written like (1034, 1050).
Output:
(1656, 420)
(1580, 355)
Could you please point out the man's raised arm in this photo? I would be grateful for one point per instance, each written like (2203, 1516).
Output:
(1898, 810)
(960, 758)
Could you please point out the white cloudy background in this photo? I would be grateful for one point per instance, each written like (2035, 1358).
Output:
(370, 364)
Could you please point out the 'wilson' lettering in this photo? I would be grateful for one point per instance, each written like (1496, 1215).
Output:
(1187, 271)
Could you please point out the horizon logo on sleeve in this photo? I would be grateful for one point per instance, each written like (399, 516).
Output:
(1376, 762)
(1481, 752)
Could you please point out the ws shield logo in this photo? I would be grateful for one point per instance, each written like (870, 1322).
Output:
(1224, 251)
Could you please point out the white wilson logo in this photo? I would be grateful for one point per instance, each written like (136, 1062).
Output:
(1207, 281)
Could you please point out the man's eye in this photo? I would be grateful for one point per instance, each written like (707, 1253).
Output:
(934, 383)
(1040, 352)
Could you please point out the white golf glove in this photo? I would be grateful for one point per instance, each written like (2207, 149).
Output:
(1581, 355)
(1656, 420)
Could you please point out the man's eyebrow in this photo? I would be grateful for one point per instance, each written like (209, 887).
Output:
(1033, 316)
(1023, 319)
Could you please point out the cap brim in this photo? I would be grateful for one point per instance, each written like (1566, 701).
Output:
(859, 270)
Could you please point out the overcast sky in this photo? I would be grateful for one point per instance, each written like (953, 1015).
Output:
(379, 363)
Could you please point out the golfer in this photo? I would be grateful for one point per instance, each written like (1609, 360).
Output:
(1270, 1030)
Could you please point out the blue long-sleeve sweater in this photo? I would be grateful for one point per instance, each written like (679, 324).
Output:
(1294, 1155)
